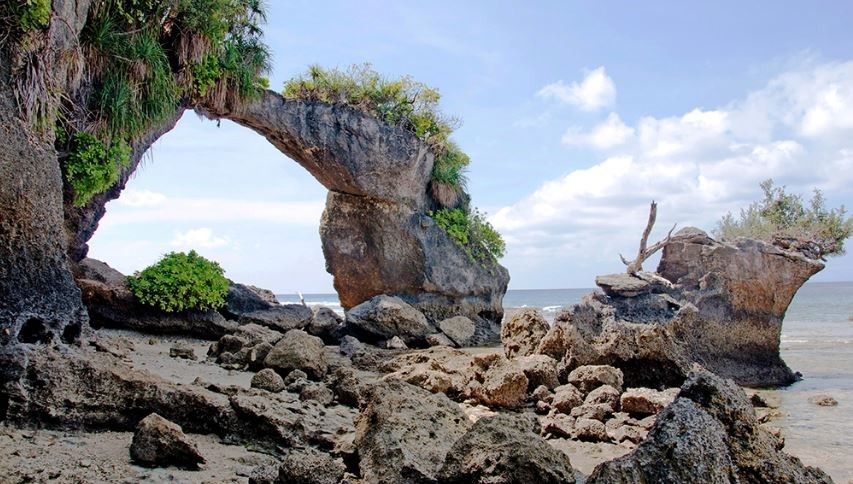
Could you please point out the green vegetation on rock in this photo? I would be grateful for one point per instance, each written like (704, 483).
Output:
(181, 282)
(401, 102)
(472, 232)
(93, 166)
(33, 14)
(783, 219)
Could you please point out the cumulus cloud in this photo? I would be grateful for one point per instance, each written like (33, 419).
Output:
(594, 92)
(199, 238)
(612, 132)
(798, 129)
(141, 198)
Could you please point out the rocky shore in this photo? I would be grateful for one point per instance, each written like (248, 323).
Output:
(285, 394)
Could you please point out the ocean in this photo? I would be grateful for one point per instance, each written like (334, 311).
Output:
(817, 341)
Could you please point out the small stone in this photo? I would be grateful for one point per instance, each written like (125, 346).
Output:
(627, 432)
(542, 407)
(590, 430)
(542, 393)
(152, 341)
(557, 425)
(294, 376)
(758, 401)
(598, 411)
(85, 463)
(182, 351)
(159, 442)
(267, 379)
(646, 401)
(298, 350)
(439, 339)
(588, 378)
(604, 394)
(823, 401)
(318, 392)
(396, 343)
(566, 397)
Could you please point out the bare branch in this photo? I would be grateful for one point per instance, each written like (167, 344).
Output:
(636, 266)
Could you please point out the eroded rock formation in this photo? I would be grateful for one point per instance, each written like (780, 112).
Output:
(723, 309)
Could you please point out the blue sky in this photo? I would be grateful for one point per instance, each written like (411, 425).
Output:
(575, 114)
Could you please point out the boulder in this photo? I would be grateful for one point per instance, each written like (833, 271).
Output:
(282, 317)
(824, 401)
(593, 411)
(267, 379)
(459, 329)
(254, 334)
(590, 430)
(384, 317)
(403, 433)
(605, 394)
(242, 299)
(645, 401)
(326, 325)
(309, 466)
(588, 378)
(504, 449)
(297, 350)
(566, 397)
(183, 351)
(557, 425)
(439, 369)
(497, 382)
(159, 442)
(522, 332)
(539, 370)
(708, 434)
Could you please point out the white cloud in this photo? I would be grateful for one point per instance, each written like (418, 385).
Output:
(141, 198)
(199, 238)
(594, 92)
(611, 133)
(798, 129)
(218, 210)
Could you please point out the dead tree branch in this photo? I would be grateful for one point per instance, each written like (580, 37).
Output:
(636, 266)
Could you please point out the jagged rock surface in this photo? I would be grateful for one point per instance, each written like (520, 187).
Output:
(403, 433)
(503, 449)
(709, 434)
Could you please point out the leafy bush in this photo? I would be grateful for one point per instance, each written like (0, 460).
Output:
(34, 14)
(181, 282)
(782, 218)
(472, 232)
(92, 166)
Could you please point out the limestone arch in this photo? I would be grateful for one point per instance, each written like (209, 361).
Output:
(376, 235)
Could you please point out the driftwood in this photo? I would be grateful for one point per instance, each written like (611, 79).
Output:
(635, 267)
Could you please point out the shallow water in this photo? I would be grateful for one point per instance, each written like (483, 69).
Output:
(817, 340)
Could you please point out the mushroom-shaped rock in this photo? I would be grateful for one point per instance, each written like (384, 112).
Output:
(403, 432)
(504, 449)
(709, 434)
(384, 317)
(298, 350)
(588, 378)
(521, 333)
(159, 442)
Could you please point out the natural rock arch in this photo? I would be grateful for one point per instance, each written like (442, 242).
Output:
(376, 233)
(377, 238)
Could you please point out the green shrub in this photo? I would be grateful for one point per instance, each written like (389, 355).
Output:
(402, 101)
(92, 167)
(472, 232)
(783, 219)
(181, 282)
(34, 14)
(450, 166)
